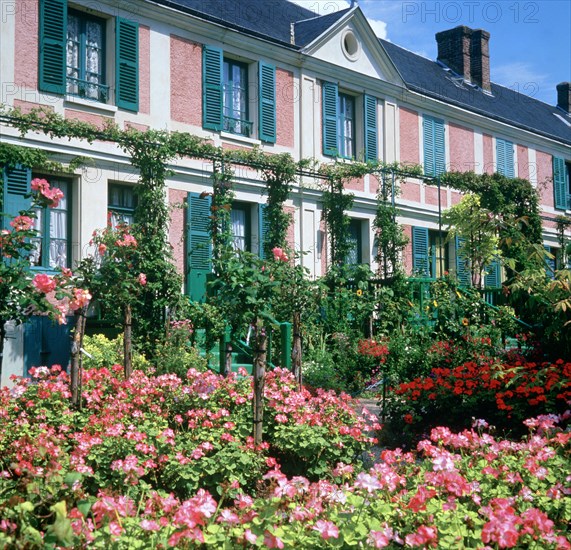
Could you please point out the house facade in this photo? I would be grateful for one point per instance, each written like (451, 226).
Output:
(244, 74)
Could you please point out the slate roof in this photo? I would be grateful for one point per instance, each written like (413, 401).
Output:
(272, 19)
(307, 31)
(430, 78)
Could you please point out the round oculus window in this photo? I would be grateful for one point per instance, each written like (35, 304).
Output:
(350, 45)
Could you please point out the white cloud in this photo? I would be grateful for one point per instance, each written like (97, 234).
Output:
(325, 7)
(379, 28)
(521, 77)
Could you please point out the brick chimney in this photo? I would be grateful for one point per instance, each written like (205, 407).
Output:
(564, 96)
(480, 59)
(454, 49)
(466, 52)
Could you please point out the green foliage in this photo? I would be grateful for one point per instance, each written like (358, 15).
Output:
(515, 200)
(176, 354)
(478, 230)
(106, 352)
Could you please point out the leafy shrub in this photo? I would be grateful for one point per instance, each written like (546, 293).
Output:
(107, 352)
(176, 354)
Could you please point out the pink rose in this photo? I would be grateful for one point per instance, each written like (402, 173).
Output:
(142, 279)
(44, 283)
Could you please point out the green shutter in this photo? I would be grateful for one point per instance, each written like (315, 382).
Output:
(434, 146)
(330, 93)
(420, 263)
(371, 132)
(462, 265)
(212, 88)
(52, 46)
(127, 64)
(560, 183)
(15, 190)
(505, 158)
(493, 277)
(263, 230)
(198, 246)
(428, 139)
(267, 102)
(439, 149)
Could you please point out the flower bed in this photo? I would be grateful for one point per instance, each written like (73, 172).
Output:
(160, 461)
(504, 394)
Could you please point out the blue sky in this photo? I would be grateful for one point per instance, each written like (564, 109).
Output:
(530, 43)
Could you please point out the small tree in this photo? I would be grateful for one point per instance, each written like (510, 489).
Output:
(477, 231)
(118, 281)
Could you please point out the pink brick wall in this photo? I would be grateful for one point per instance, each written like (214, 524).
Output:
(455, 197)
(186, 81)
(409, 139)
(290, 237)
(286, 96)
(356, 184)
(176, 229)
(522, 162)
(461, 148)
(26, 37)
(431, 196)
(489, 167)
(96, 120)
(136, 126)
(407, 252)
(144, 69)
(27, 106)
(544, 164)
(410, 191)
(373, 184)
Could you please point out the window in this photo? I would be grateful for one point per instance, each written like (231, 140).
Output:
(241, 229)
(505, 158)
(430, 256)
(86, 57)
(225, 96)
(345, 125)
(434, 148)
(355, 254)
(562, 183)
(51, 248)
(72, 52)
(122, 202)
(235, 98)
(340, 117)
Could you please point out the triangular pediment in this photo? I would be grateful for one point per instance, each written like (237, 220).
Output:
(351, 43)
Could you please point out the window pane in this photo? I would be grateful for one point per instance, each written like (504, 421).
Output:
(238, 219)
(73, 70)
(85, 56)
(345, 125)
(235, 97)
(36, 253)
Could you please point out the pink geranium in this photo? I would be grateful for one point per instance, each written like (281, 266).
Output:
(142, 279)
(327, 529)
(44, 283)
